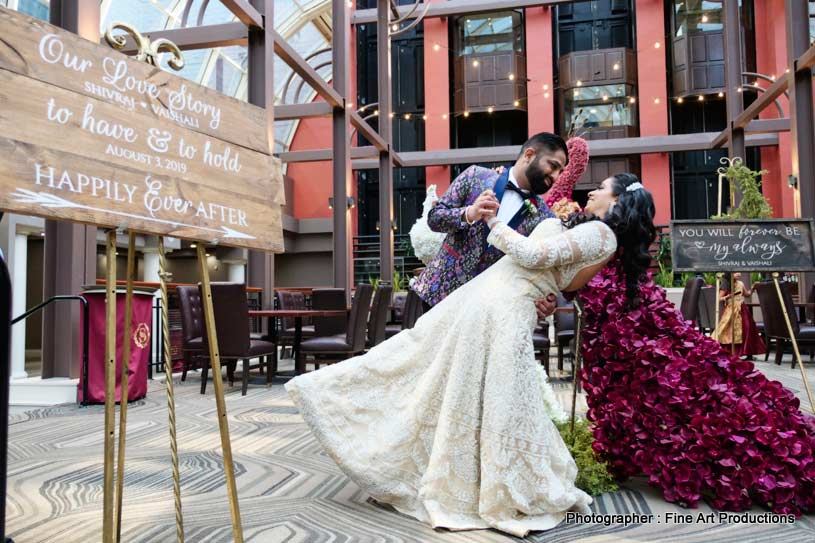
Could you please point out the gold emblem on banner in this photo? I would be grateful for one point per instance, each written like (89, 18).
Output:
(141, 335)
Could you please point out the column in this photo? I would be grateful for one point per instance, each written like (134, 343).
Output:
(733, 77)
(18, 305)
(383, 59)
(540, 70)
(151, 259)
(70, 249)
(437, 97)
(236, 260)
(653, 101)
(261, 93)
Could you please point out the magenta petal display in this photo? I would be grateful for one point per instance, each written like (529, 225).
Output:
(670, 403)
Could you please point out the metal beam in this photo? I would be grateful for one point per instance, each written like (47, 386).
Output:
(733, 77)
(197, 37)
(801, 109)
(288, 112)
(597, 148)
(766, 98)
(324, 155)
(304, 70)
(385, 99)
(245, 12)
(260, 75)
(458, 7)
(368, 131)
(806, 61)
(765, 126)
(341, 143)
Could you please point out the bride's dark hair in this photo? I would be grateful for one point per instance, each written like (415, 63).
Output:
(632, 220)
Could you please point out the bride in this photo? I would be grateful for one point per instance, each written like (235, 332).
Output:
(448, 422)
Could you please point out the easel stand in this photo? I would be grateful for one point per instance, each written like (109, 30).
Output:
(796, 351)
(112, 493)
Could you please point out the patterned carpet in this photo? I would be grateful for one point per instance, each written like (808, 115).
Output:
(289, 490)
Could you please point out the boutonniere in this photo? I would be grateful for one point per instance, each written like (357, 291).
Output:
(531, 206)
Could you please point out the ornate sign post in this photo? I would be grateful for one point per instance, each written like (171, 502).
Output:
(92, 136)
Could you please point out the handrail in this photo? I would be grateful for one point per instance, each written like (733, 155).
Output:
(85, 332)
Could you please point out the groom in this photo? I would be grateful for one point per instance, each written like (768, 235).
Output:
(516, 194)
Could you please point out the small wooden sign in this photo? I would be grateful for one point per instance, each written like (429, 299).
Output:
(763, 245)
(90, 135)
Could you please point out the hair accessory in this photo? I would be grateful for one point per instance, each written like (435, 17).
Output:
(634, 186)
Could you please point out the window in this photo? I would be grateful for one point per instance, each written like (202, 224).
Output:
(602, 106)
(811, 21)
(595, 24)
(490, 33)
(694, 16)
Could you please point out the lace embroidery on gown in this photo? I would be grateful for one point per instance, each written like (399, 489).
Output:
(448, 421)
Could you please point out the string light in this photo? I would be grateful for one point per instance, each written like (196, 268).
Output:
(546, 95)
(704, 18)
(579, 83)
(787, 71)
(605, 98)
(394, 27)
(436, 47)
(475, 64)
(632, 100)
(466, 114)
(407, 116)
(656, 100)
(738, 90)
(424, 117)
(390, 115)
(772, 77)
(512, 77)
(701, 98)
(721, 95)
(680, 100)
(616, 66)
(545, 87)
(657, 45)
(516, 103)
(444, 116)
(376, 113)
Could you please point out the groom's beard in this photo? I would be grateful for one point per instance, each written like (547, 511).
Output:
(539, 181)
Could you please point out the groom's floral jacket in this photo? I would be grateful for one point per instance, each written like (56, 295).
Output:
(465, 252)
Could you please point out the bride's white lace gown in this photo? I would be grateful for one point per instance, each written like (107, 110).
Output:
(448, 422)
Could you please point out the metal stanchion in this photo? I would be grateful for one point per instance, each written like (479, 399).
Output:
(110, 388)
(577, 362)
(218, 385)
(120, 462)
(164, 275)
(793, 339)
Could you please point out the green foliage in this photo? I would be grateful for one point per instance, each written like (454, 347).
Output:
(710, 278)
(593, 477)
(399, 281)
(684, 278)
(373, 281)
(663, 256)
(665, 276)
(755, 277)
(753, 204)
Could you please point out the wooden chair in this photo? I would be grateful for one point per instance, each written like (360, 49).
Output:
(232, 330)
(379, 315)
(564, 328)
(292, 300)
(192, 326)
(707, 309)
(329, 299)
(328, 349)
(775, 325)
(689, 307)
(541, 343)
(413, 310)
(394, 327)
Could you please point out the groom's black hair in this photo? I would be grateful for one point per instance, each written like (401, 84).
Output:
(546, 140)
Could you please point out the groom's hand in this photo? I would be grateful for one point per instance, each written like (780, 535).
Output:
(546, 306)
(484, 207)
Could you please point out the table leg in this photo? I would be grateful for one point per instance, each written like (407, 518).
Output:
(300, 363)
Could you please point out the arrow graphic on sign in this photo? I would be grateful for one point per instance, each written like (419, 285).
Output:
(45, 199)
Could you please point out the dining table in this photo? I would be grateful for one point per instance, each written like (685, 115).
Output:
(298, 315)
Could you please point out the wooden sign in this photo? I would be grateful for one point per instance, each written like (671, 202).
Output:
(89, 135)
(763, 245)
